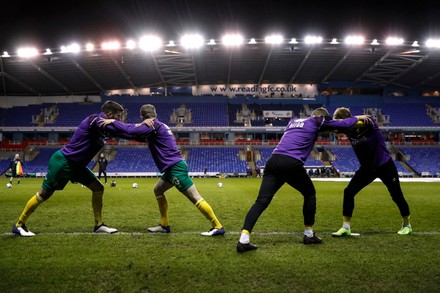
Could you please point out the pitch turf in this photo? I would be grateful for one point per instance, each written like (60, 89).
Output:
(65, 256)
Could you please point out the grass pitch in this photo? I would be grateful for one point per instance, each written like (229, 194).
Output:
(65, 256)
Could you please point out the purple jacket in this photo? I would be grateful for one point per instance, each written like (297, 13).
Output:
(369, 145)
(301, 134)
(87, 140)
(161, 141)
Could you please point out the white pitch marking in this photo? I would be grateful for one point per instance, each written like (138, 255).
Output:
(229, 233)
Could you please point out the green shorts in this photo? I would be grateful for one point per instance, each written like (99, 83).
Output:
(178, 176)
(60, 171)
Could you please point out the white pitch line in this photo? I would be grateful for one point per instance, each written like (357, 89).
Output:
(228, 233)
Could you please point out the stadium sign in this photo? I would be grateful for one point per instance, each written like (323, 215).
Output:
(277, 114)
(269, 90)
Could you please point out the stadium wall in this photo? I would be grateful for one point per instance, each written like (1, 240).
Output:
(165, 99)
(328, 101)
(9, 102)
(375, 101)
(331, 100)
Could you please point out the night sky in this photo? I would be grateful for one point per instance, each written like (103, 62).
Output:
(50, 24)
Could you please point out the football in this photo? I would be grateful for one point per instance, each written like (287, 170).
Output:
(113, 184)
(135, 185)
(9, 185)
(219, 185)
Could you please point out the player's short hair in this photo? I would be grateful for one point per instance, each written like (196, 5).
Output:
(148, 111)
(320, 112)
(111, 107)
(341, 113)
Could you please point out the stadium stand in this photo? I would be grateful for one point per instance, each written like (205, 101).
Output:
(164, 112)
(407, 114)
(403, 172)
(73, 114)
(39, 164)
(208, 114)
(344, 160)
(132, 159)
(224, 114)
(216, 159)
(265, 154)
(213, 114)
(424, 160)
(21, 115)
(4, 165)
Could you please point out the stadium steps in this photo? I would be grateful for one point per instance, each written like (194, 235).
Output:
(95, 167)
(112, 153)
(252, 166)
(411, 170)
(306, 109)
(315, 154)
(31, 152)
(7, 155)
(185, 154)
(257, 155)
(109, 154)
(242, 155)
(398, 155)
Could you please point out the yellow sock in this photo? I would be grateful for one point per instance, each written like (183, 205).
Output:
(207, 211)
(29, 208)
(346, 219)
(308, 230)
(162, 202)
(346, 222)
(244, 236)
(406, 221)
(97, 207)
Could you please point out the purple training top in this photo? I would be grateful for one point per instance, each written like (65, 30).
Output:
(369, 146)
(87, 140)
(161, 141)
(301, 134)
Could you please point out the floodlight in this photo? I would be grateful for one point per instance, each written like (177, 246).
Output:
(274, 39)
(211, 42)
(433, 43)
(112, 45)
(354, 40)
(90, 47)
(6, 54)
(192, 41)
(72, 48)
(334, 41)
(375, 43)
(27, 52)
(313, 40)
(232, 40)
(252, 41)
(131, 44)
(150, 43)
(394, 41)
(48, 52)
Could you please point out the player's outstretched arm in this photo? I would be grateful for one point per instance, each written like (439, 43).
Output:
(103, 122)
(149, 122)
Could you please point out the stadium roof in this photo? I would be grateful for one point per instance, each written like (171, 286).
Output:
(101, 71)
(97, 72)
